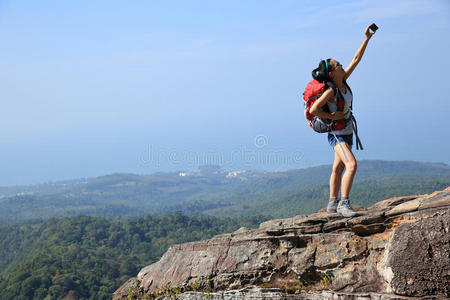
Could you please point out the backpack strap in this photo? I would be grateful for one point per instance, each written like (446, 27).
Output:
(346, 84)
(355, 130)
(348, 87)
(359, 145)
(337, 94)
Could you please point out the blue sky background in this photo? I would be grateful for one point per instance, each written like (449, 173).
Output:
(95, 87)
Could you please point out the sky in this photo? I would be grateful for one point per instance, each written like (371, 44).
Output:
(90, 88)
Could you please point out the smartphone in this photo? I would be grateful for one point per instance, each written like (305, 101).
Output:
(373, 27)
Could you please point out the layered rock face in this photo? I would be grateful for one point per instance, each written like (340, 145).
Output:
(398, 248)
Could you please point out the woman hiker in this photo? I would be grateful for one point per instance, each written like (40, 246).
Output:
(332, 71)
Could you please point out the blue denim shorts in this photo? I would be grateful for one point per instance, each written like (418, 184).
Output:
(348, 138)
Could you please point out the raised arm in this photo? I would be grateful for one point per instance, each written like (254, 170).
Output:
(359, 54)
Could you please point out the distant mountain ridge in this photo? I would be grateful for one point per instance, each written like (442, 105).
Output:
(14, 190)
(278, 194)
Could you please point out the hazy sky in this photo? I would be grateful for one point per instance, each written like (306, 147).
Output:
(94, 87)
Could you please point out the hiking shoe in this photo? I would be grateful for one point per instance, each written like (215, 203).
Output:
(345, 209)
(332, 205)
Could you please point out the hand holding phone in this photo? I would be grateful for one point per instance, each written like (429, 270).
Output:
(370, 30)
(373, 27)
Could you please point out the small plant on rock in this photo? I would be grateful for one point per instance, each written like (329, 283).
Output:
(195, 286)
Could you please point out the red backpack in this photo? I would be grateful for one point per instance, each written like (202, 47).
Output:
(314, 89)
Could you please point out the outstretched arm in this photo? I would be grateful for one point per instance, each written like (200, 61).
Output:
(359, 54)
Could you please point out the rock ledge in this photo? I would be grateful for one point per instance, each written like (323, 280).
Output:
(396, 249)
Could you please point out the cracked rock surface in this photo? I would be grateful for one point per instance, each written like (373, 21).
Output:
(398, 248)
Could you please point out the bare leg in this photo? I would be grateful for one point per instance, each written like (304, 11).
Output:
(336, 174)
(350, 168)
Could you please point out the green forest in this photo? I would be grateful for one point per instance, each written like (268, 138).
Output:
(88, 257)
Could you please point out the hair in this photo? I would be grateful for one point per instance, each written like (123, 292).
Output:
(320, 73)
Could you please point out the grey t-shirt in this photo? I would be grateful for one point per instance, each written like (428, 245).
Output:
(348, 97)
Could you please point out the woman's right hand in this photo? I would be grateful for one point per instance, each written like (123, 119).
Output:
(368, 33)
(338, 115)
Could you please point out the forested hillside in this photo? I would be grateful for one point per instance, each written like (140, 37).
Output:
(276, 193)
(89, 257)
(280, 204)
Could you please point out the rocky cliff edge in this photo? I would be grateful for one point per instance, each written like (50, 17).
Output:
(398, 248)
